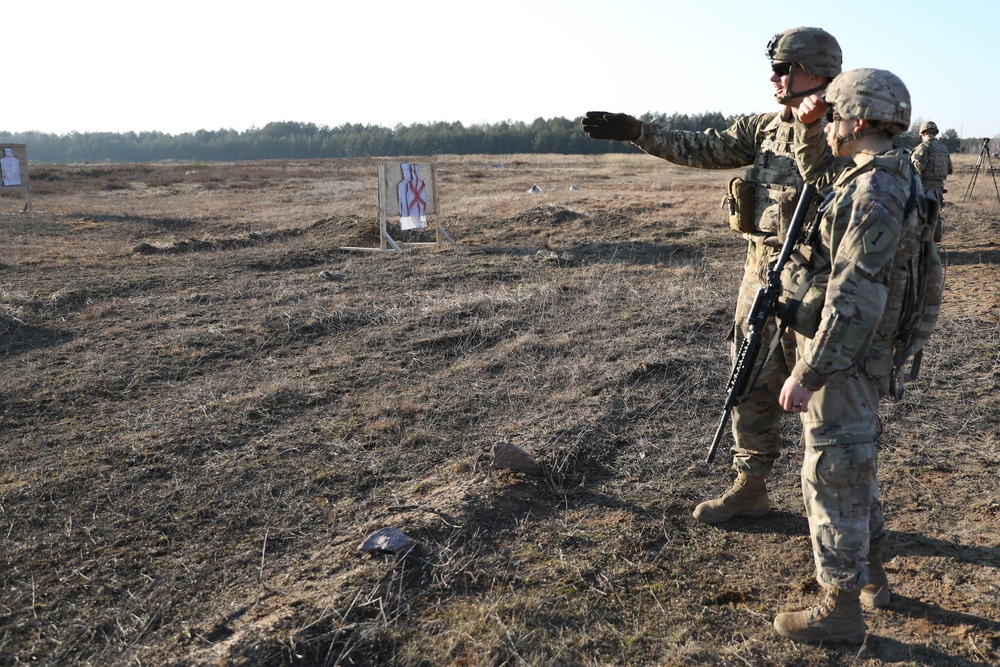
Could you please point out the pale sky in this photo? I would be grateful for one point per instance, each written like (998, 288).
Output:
(181, 66)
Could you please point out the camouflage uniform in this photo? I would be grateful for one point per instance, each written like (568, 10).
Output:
(763, 142)
(933, 162)
(761, 206)
(847, 361)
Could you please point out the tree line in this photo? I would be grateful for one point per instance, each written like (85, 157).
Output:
(295, 140)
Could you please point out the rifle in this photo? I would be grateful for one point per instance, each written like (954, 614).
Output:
(765, 306)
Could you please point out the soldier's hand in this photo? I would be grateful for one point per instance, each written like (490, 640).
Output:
(615, 126)
(811, 109)
(794, 397)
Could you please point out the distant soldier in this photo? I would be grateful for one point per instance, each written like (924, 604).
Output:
(761, 205)
(932, 161)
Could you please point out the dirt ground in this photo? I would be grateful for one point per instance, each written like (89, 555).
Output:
(206, 405)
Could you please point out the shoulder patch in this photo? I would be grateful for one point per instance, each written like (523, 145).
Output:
(877, 238)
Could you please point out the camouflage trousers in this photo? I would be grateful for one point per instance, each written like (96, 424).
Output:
(757, 421)
(840, 478)
(935, 189)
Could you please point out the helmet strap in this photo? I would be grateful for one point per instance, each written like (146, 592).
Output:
(785, 99)
(866, 131)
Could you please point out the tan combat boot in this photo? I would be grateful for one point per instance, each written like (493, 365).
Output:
(875, 594)
(836, 619)
(748, 497)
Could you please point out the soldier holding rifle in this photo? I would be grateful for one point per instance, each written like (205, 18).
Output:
(761, 205)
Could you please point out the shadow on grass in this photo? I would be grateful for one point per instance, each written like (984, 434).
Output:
(916, 544)
(970, 257)
(164, 223)
(16, 337)
(601, 253)
(928, 655)
(778, 522)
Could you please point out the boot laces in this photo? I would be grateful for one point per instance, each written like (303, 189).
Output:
(822, 609)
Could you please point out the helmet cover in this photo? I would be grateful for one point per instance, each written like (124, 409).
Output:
(872, 94)
(813, 49)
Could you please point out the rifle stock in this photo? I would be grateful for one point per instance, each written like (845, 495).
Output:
(765, 306)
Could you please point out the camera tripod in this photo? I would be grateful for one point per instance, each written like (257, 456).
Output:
(985, 150)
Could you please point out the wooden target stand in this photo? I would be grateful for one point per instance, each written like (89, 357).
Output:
(15, 175)
(390, 185)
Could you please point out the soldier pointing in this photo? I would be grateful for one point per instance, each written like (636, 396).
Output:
(760, 206)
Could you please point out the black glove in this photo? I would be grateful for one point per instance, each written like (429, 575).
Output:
(616, 126)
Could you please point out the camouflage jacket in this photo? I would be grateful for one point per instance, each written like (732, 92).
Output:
(762, 142)
(932, 161)
(857, 236)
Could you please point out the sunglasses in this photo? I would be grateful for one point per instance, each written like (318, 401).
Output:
(782, 69)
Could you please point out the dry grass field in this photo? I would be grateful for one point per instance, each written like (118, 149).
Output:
(198, 429)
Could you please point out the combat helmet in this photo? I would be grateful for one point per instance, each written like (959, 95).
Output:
(813, 49)
(929, 127)
(873, 94)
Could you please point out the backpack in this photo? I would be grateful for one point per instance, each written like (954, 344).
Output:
(916, 283)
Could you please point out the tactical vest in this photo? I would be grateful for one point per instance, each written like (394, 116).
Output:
(937, 170)
(914, 287)
(762, 202)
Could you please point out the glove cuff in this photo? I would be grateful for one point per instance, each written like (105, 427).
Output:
(645, 130)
